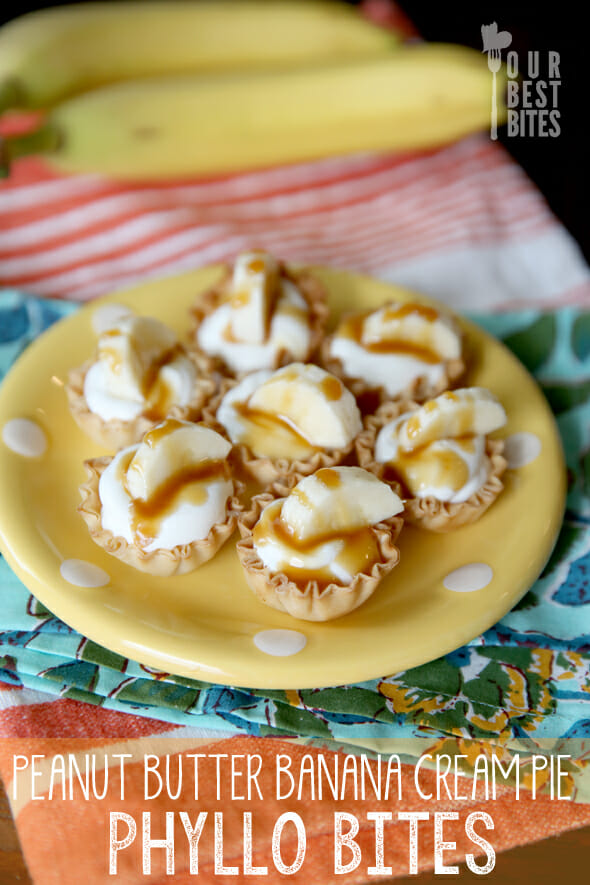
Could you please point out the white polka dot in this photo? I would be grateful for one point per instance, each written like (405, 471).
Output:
(83, 574)
(24, 437)
(106, 316)
(521, 449)
(469, 577)
(280, 643)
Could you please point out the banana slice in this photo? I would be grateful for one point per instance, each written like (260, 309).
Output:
(255, 286)
(130, 349)
(168, 449)
(456, 413)
(412, 324)
(321, 409)
(337, 499)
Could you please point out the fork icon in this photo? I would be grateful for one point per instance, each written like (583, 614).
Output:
(493, 42)
(494, 62)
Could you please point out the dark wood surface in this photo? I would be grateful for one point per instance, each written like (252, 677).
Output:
(12, 865)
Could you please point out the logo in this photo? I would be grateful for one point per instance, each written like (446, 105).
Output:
(494, 41)
(532, 90)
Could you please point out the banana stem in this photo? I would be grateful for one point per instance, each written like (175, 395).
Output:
(11, 96)
(43, 141)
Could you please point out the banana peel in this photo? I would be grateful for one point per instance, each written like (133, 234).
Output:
(419, 97)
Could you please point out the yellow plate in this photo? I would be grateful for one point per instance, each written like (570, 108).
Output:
(203, 625)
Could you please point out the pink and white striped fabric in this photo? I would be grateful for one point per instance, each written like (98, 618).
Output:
(463, 224)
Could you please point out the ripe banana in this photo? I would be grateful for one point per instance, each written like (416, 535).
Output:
(49, 55)
(420, 96)
(338, 499)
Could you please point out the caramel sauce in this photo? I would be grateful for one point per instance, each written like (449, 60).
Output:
(111, 357)
(352, 327)
(286, 308)
(241, 298)
(228, 335)
(189, 484)
(429, 467)
(288, 374)
(462, 420)
(467, 443)
(161, 400)
(328, 477)
(153, 436)
(331, 387)
(406, 348)
(256, 265)
(413, 426)
(302, 498)
(400, 311)
(271, 435)
(151, 375)
(359, 553)
(155, 391)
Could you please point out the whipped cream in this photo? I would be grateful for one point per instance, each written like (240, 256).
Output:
(418, 469)
(100, 389)
(289, 330)
(393, 372)
(186, 522)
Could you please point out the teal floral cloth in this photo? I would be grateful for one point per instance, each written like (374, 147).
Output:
(526, 677)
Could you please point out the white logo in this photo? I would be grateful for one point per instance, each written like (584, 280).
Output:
(532, 101)
(494, 41)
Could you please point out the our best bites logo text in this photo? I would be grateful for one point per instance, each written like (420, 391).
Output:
(532, 91)
(254, 815)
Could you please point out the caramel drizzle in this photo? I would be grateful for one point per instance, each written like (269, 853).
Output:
(156, 393)
(463, 419)
(359, 554)
(189, 483)
(352, 327)
(428, 467)
(272, 300)
(273, 435)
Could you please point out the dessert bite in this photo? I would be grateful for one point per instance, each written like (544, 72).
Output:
(288, 422)
(449, 470)
(165, 505)
(408, 349)
(139, 375)
(320, 549)
(261, 315)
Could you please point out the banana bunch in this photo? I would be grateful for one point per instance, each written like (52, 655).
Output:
(204, 88)
(50, 55)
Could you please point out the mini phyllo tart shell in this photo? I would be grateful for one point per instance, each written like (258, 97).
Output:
(311, 290)
(116, 433)
(430, 513)
(261, 468)
(160, 562)
(312, 601)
